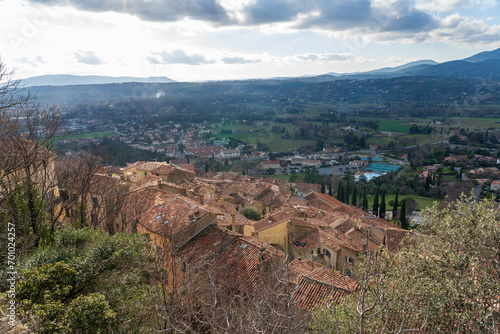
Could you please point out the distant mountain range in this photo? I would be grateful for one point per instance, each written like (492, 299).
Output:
(484, 65)
(66, 80)
(481, 66)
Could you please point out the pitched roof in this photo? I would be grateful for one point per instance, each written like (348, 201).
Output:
(316, 238)
(172, 214)
(230, 258)
(327, 199)
(315, 283)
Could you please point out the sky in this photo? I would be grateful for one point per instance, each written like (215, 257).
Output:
(198, 40)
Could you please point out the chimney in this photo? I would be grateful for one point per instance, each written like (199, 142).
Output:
(159, 200)
(233, 222)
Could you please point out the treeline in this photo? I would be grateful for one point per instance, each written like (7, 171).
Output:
(421, 129)
(114, 152)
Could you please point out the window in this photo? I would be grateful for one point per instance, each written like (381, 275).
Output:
(95, 201)
(349, 260)
(319, 250)
(348, 272)
(93, 219)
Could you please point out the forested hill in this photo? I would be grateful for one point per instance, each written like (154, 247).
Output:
(427, 90)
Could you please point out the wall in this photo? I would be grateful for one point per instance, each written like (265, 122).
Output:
(277, 234)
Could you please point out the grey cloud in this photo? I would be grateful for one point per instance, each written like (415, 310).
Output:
(178, 57)
(153, 10)
(264, 11)
(238, 60)
(339, 14)
(88, 57)
(411, 20)
(342, 15)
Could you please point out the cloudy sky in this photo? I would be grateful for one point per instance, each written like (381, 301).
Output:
(191, 40)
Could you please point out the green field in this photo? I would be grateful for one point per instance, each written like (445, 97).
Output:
(254, 134)
(474, 123)
(386, 124)
(422, 202)
(98, 134)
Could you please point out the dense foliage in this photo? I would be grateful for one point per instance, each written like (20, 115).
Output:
(87, 281)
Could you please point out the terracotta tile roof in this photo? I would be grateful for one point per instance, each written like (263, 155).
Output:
(140, 200)
(252, 189)
(359, 238)
(150, 165)
(230, 258)
(203, 245)
(275, 199)
(275, 218)
(164, 169)
(397, 238)
(207, 151)
(149, 179)
(314, 239)
(315, 283)
(226, 219)
(326, 198)
(307, 187)
(172, 214)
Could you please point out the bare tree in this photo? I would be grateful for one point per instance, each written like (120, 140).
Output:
(28, 131)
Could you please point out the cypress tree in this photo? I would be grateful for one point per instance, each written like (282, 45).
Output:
(402, 216)
(428, 181)
(382, 206)
(365, 201)
(375, 203)
(341, 194)
(347, 193)
(354, 196)
(339, 191)
(395, 207)
(323, 189)
(330, 191)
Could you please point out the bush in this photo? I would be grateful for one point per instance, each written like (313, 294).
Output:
(251, 213)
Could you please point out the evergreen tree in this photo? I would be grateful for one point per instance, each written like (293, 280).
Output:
(346, 198)
(428, 181)
(330, 190)
(323, 189)
(395, 207)
(354, 196)
(341, 193)
(365, 201)
(382, 206)
(375, 203)
(402, 216)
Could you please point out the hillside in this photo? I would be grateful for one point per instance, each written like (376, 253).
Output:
(65, 79)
